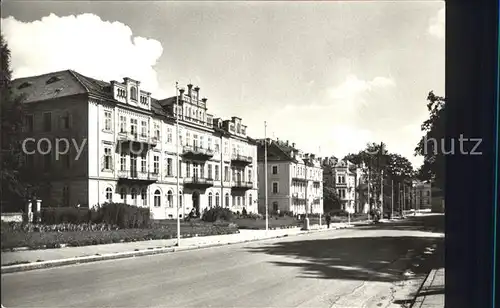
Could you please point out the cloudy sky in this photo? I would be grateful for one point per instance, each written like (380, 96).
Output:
(329, 76)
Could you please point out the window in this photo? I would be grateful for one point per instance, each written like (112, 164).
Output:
(275, 206)
(65, 196)
(226, 148)
(226, 173)
(144, 197)
(243, 200)
(157, 131)
(169, 135)
(123, 162)
(169, 166)
(216, 172)
(210, 200)
(275, 187)
(28, 123)
(107, 159)
(133, 127)
(188, 169)
(210, 171)
(66, 160)
(195, 141)
(249, 175)
(47, 161)
(188, 138)
(209, 146)
(109, 194)
(64, 121)
(133, 164)
(275, 169)
(47, 121)
(157, 198)
(179, 169)
(250, 200)
(123, 195)
(133, 196)
(170, 199)
(239, 201)
(234, 200)
(107, 121)
(217, 199)
(156, 164)
(143, 162)
(217, 147)
(202, 142)
(133, 93)
(123, 124)
(144, 128)
(227, 200)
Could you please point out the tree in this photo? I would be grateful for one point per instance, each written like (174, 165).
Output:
(12, 173)
(331, 200)
(434, 128)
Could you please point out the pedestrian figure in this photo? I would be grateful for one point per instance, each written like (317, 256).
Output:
(328, 219)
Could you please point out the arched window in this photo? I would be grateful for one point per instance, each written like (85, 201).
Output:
(227, 200)
(217, 203)
(144, 197)
(109, 194)
(157, 198)
(210, 200)
(133, 93)
(250, 200)
(133, 196)
(170, 199)
(123, 195)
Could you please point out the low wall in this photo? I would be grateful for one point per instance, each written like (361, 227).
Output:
(15, 217)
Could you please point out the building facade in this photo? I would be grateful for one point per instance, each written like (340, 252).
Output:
(422, 195)
(123, 147)
(294, 179)
(349, 181)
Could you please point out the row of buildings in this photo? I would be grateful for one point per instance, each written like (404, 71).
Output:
(89, 142)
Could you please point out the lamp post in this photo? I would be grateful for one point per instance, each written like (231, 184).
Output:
(265, 176)
(178, 162)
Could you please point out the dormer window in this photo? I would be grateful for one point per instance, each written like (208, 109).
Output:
(121, 93)
(24, 85)
(133, 93)
(53, 79)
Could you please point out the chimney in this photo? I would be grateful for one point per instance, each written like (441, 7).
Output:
(197, 89)
(287, 142)
(181, 91)
(204, 100)
(293, 145)
(190, 88)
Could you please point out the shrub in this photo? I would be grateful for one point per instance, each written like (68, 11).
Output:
(58, 215)
(218, 213)
(123, 215)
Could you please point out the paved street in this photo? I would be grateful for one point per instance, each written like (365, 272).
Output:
(361, 267)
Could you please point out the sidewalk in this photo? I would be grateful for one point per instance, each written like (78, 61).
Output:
(431, 295)
(34, 259)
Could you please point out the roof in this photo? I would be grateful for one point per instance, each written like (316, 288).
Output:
(68, 83)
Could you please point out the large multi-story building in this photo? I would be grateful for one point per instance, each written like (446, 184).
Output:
(421, 195)
(349, 182)
(123, 147)
(294, 179)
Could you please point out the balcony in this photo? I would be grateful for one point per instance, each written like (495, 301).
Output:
(198, 153)
(242, 185)
(239, 159)
(299, 178)
(198, 182)
(136, 177)
(136, 140)
(299, 196)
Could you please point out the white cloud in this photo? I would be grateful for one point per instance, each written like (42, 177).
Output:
(437, 24)
(85, 43)
(353, 87)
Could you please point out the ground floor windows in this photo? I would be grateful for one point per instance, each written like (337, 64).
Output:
(123, 195)
(217, 199)
(170, 200)
(157, 198)
(209, 200)
(133, 196)
(109, 194)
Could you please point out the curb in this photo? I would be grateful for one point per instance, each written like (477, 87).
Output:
(418, 301)
(140, 253)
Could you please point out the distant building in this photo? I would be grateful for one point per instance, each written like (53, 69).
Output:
(422, 195)
(294, 179)
(129, 148)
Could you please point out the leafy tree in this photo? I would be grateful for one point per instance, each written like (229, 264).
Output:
(13, 173)
(331, 200)
(433, 128)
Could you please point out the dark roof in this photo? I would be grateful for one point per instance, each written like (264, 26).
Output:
(275, 151)
(48, 86)
(68, 83)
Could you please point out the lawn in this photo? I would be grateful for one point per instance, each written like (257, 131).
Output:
(159, 230)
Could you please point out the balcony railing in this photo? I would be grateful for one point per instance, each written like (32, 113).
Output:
(242, 159)
(242, 184)
(299, 178)
(136, 175)
(196, 151)
(198, 181)
(136, 137)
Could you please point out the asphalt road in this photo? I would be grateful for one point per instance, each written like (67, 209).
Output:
(343, 268)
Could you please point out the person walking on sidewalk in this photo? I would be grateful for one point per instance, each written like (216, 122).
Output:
(328, 219)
